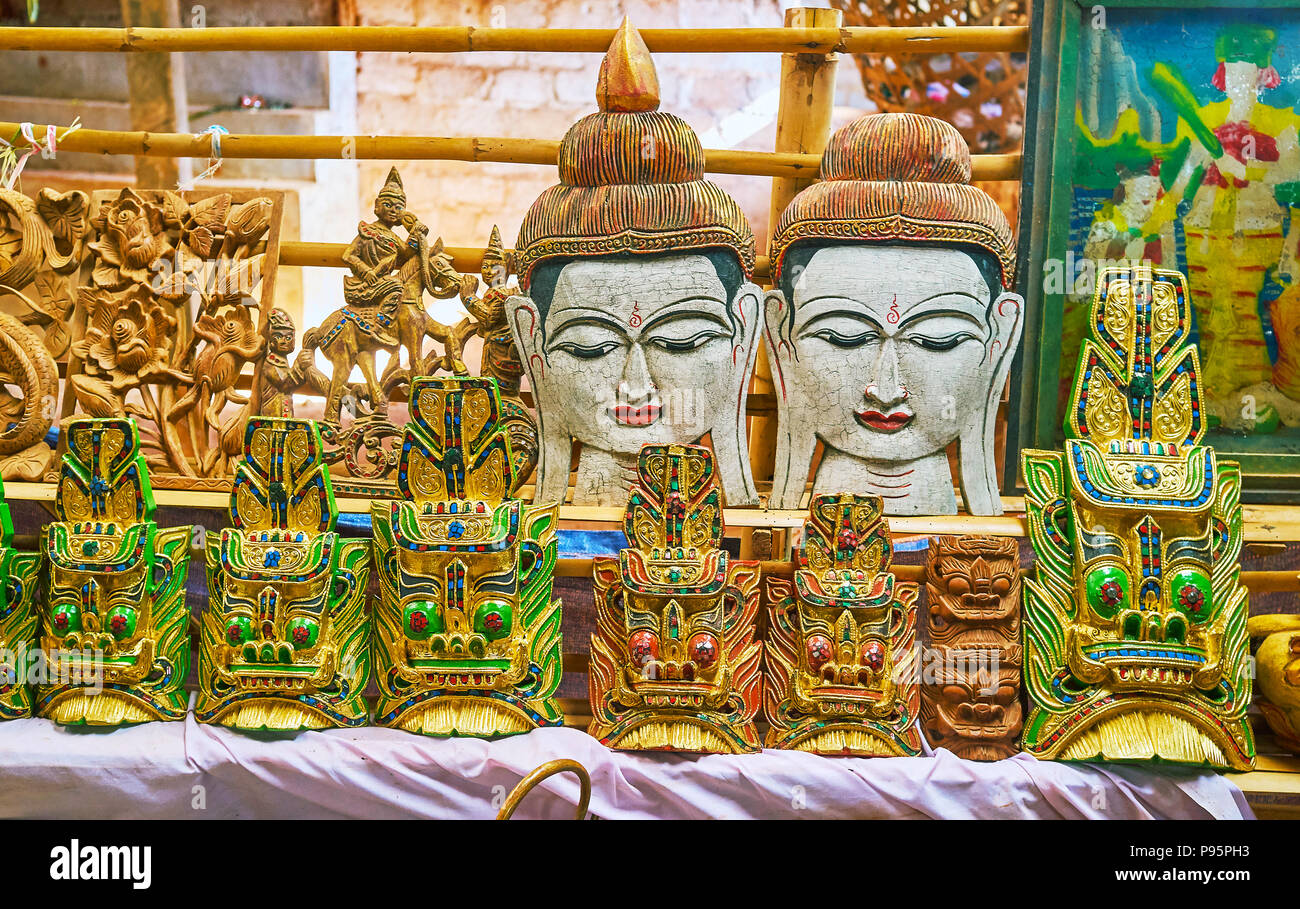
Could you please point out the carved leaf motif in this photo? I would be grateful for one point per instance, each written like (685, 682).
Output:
(95, 395)
(1172, 413)
(65, 213)
(1108, 409)
(175, 209)
(200, 240)
(210, 212)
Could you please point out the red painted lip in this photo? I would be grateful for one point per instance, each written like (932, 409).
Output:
(636, 416)
(883, 422)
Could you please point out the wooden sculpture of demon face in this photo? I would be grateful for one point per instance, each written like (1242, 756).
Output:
(1136, 643)
(467, 635)
(115, 620)
(841, 655)
(673, 664)
(285, 640)
(970, 696)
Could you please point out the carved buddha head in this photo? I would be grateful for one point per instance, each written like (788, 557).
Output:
(638, 316)
(115, 611)
(1136, 624)
(467, 636)
(840, 654)
(674, 665)
(285, 637)
(891, 328)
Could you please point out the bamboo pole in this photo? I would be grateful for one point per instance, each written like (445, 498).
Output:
(466, 39)
(803, 124)
(433, 148)
(156, 91)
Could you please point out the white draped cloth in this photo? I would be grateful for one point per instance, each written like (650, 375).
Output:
(189, 770)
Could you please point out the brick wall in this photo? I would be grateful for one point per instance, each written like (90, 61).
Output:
(730, 100)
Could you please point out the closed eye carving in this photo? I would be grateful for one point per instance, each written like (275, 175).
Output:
(682, 345)
(836, 339)
(941, 344)
(584, 352)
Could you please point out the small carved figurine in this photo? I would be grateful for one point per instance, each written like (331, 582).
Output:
(970, 698)
(841, 654)
(637, 317)
(286, 639)
(467, 637)
(1135, 627)
(384, 310)
(114, 623)
(279, 379)
(500, 359)
(674, 664)
(19, 620)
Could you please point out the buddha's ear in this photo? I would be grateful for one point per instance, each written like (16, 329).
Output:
(979, 481)
(1007, 316)
(731, 441)
(530, 338)
(555, 446)
(777, 323)
(795, 440)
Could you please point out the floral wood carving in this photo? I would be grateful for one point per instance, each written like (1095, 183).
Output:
(174, 311)
(42, 245)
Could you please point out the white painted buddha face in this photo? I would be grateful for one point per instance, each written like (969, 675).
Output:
(888, 354)
(633, 351)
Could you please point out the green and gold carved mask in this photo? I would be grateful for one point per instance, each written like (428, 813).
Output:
(19, 574)
(674, 664)
(467, 637)
(1135, 629)
(114, 621)
(285, 642)
(841, 655)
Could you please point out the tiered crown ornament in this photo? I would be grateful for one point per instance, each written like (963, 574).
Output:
(674, 664)
(841, 655)
(115, 616)
(970, 699)
(467, 637)
(631, 179)
(286, 640)
(19, 572)
(1135, 629)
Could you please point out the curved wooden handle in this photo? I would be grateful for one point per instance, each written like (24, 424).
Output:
(550, 768)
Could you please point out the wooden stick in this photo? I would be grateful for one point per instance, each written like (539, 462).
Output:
(803, 125)
(431, 148)
(465, 39)
(466, 259)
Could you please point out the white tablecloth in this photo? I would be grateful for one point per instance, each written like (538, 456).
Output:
(189, 770)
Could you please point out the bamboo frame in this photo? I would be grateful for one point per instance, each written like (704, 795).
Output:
(468, 39)
(433, 148)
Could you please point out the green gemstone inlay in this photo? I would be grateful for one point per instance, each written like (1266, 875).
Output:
(303, 632)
